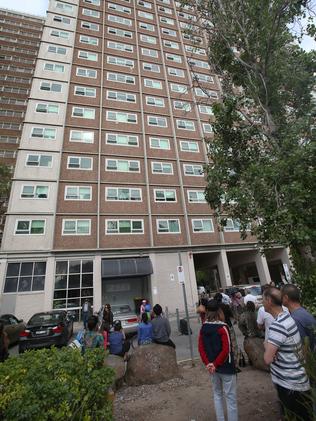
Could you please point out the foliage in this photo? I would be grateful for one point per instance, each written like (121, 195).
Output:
(5, 180)
(55, 385)
(262, 156)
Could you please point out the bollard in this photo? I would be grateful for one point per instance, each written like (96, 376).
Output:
(178, 319)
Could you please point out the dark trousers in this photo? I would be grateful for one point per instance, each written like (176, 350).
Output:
(85, 317)
(297, 406)
(125, 348)
(168, 343)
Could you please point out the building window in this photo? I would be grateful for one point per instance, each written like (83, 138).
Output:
(30, 227)
(176, 87)
(155, 101)
(232, 225)
(157, 121)
(123, 194)
(119, 61)
(87, 55)
(120, 20)
(148, 38)
(149, 53)
(78, 192)
(151, 83)
(173, 57)
(47, 108)
(59, 34)
(120, 47)
(145, 15)
(121, 139)
(122, 165)
(159, 143)
(206, 109)
(144, 4)
(168, 226)
(124, 226)
(73, 284)
(83, 72)
(53, 67)
(171, 44)
(196, 196)
(202, 225)
(61, 19)
(165, 10)
(185, 125)
(150, 67)
(91, 13)
(120, 33)
(64, 6)
(161, 168)
(182, 106)
(38, 160)
(198, 63)
(56, 50)
(167, 21)
(119, 8)
(187, 146)
(84, 39)
(81, 136)
(25, 277)
(146, 26)
(76, 227)
(195, 170)
(94, 2)
(169, 32)
(207, 128)
(80, 112)
(121, 96)
(91, 26)
(34, 192)
(121, 117)
(85, 91)
(175, 72)
(43, 133)
(79, 163)
(50, 86)
(165, 195)
(119, 77)
(201, 77)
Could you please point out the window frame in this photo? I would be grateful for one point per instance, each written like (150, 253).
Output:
(64, 220)
(168, 223)
(30, 226)
(193, 220)
(78, 188)
(118, 227)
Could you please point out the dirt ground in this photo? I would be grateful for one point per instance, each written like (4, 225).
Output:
(189, 398)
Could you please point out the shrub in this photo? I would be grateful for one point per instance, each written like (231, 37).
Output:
(53, 385)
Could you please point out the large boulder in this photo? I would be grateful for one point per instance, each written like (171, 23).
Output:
(119, 366)
(150, 364)
(254, 349)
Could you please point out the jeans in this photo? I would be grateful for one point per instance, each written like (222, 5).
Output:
(85, 317)
(296, 405)
(225, 384)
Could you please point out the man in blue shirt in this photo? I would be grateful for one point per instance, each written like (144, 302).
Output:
(304, 320)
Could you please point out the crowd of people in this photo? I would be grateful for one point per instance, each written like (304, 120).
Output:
(288, 331)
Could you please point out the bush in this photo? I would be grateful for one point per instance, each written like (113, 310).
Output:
(55, 385)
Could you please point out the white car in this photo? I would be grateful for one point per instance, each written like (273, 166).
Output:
(255, 291)
(126, 316)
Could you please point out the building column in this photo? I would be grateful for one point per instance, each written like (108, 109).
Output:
(262, 268)
(49, 284)
(97, 283)
(223, 269)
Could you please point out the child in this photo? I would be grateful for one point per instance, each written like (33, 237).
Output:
(215, 351)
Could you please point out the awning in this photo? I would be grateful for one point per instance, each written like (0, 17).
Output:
(118, 268)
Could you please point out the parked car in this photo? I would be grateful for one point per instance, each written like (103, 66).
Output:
(201, 290)
(46, 329)
(254, 290)
(12, 326)
(127, 317)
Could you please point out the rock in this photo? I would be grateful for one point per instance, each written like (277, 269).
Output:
(151, 364)
(119, 366)
(254, 349)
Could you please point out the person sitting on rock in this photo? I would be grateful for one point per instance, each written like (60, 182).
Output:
(161, 328)
(91, 337)
(118, 343)
(248, 322)
(144, 331)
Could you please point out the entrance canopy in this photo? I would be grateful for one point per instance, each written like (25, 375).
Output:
(122, 268)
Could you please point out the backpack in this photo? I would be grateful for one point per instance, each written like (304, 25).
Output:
(88, 340)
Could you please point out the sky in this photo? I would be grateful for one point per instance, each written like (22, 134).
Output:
(39, 7)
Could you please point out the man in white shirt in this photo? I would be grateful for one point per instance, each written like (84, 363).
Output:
(264, 321)
(250, 297)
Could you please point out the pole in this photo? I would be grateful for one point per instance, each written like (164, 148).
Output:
(187, 314)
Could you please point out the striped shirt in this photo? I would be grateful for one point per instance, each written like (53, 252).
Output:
(287, 370)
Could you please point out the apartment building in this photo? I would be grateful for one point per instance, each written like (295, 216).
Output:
(107, 199)
(20, 37)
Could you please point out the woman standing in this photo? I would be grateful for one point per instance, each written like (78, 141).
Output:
(107, 318)
(217, 355)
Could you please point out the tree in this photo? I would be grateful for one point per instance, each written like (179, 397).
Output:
(5, 185)
(262, 155)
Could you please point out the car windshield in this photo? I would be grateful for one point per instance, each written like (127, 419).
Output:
(123, 308)
(255, 290)
(45, 318)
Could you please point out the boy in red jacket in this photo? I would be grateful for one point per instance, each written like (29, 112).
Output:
(216, 353)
